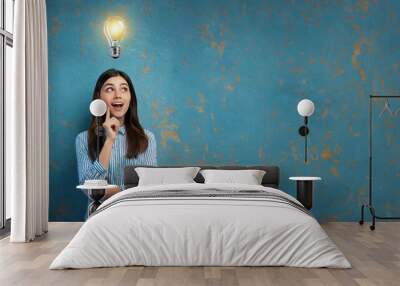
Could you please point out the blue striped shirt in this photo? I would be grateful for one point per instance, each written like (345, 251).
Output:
(88, 170)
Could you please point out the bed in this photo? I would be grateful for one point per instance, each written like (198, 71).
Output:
(198, 224)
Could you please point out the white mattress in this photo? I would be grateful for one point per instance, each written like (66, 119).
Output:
(200, 231)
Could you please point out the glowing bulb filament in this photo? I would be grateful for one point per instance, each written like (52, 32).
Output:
(114, 30)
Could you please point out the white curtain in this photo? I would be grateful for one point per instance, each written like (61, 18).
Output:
(27, 163)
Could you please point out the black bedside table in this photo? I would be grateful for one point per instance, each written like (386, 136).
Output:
(305, 190)
(95, 193)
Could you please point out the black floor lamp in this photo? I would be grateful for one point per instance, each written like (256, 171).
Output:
(98, 108)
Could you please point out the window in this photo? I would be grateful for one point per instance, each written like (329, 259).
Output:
(6, 46)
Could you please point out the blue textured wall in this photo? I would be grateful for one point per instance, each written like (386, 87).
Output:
(218, 82)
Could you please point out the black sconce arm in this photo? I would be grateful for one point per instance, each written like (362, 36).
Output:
(304, 131)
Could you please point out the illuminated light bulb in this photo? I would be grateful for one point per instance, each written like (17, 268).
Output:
(114, 30)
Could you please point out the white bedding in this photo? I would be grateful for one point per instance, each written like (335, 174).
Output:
(200, 231)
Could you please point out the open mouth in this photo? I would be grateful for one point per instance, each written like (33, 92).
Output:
(117, 105)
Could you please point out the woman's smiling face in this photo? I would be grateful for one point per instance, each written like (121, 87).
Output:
(115, 92)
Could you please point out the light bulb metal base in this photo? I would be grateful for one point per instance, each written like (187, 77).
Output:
(115, 51)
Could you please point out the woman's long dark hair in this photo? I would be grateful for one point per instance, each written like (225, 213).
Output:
(136, 138)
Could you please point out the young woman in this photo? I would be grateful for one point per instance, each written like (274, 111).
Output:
(126, 142)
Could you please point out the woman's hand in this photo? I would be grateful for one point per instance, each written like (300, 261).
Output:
(111, 125)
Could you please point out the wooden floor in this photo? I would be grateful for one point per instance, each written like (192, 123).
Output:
(375, 257)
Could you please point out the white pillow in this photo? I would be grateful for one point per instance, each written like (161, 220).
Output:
(163, 176)
(249, 177)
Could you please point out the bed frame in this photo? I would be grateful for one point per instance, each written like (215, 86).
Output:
(270, 179)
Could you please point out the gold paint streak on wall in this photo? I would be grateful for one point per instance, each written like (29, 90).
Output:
(339, 72)
(200, 109)
(143, 55)
(294, 151)
(334, 171)
(363, 5)
(362, 74)
(297, 70)
(232, 86)
(154, 110)
(313, 153)
(324, 113)
(168, 130)
(219, 46)
(356, 66)
(309, 12)
(201, 106)
(209, 36)
(169, 135)
(214, 128)
(146, 69)
(353, 133)
(326, 154)
(165, 121)
(202, 100)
